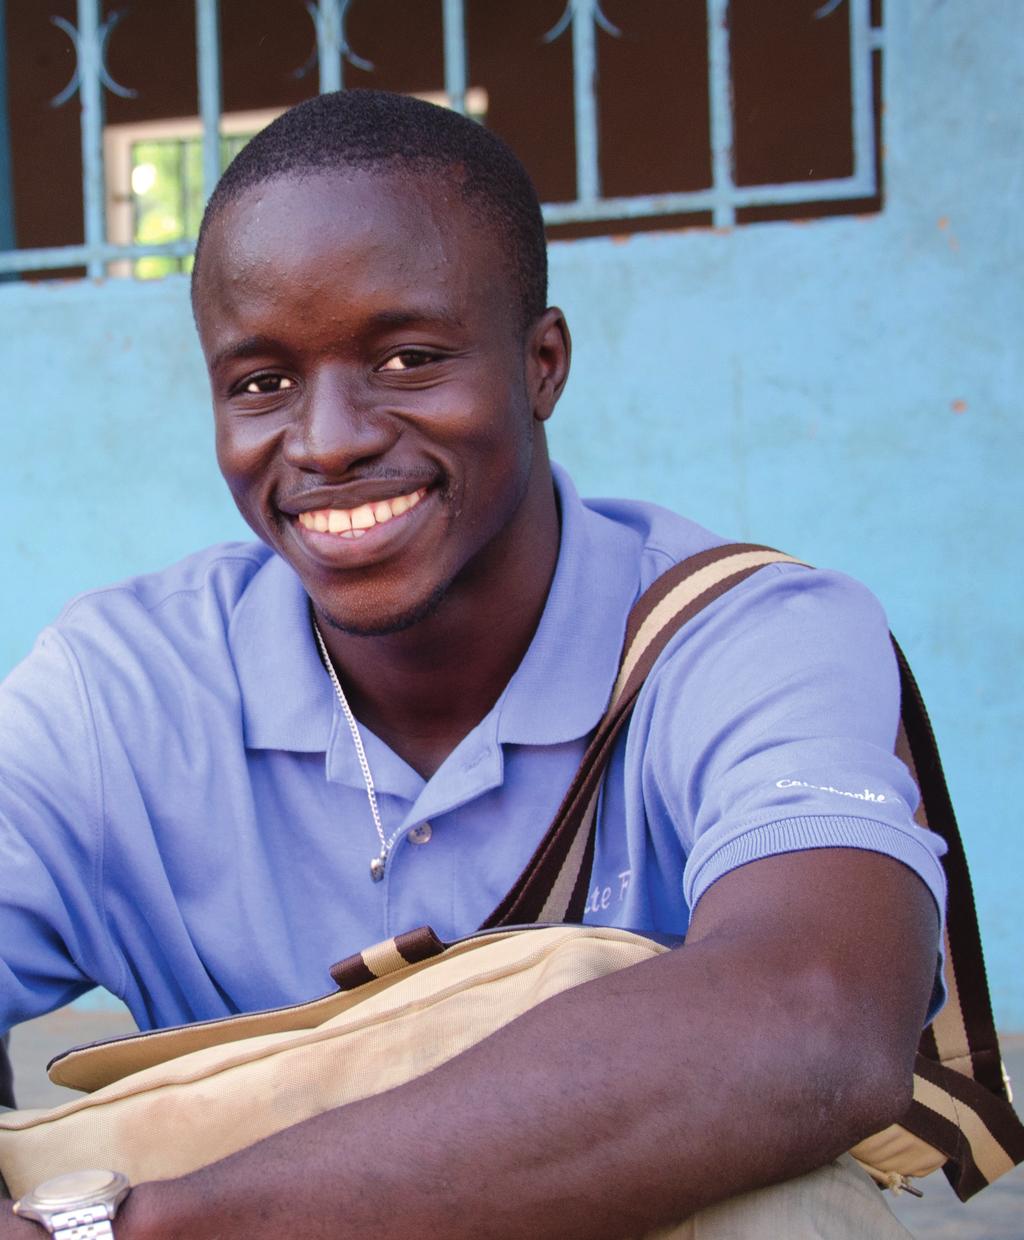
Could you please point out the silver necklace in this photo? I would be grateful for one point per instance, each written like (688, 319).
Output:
(378, 863)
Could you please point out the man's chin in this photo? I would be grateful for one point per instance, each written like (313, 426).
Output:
(385, 622)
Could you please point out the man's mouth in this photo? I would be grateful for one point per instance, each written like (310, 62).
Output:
(355, 522)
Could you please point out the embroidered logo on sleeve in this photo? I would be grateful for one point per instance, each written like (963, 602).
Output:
(866, 795)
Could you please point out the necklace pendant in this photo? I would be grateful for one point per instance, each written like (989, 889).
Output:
(377, 869)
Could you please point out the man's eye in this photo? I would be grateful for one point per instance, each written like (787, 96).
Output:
(409, 359)
(264, 385)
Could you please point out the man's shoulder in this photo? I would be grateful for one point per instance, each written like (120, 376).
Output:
(130, 661)
(778, 606)
(182, 614)
(662, 537)
(651, 538)
(222, 571)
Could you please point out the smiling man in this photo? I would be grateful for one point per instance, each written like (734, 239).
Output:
(216, 781)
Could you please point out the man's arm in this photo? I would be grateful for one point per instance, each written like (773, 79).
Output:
(779, 1036)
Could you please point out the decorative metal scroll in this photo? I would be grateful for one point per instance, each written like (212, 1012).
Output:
(332, 47)
(580, 8)
(583, 16)
(103, 34)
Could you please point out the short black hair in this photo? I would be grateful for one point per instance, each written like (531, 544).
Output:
(371, 129)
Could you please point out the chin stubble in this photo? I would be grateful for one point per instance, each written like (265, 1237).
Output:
(386, 625)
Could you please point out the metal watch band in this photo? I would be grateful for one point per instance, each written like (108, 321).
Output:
(82, 1223)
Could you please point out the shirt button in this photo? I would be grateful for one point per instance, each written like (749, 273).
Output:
(420, 834)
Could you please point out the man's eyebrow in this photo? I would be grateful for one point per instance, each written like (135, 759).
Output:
(426, 315)
(249, 346)
(254, 346)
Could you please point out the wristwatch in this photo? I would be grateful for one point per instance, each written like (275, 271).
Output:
(76, 1206)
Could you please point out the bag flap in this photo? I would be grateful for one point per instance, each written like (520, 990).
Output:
(91, 1067)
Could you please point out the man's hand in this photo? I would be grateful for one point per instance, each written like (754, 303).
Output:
(780, 1035)
(14, 1228)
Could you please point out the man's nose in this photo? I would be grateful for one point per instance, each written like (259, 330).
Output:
(340, 425)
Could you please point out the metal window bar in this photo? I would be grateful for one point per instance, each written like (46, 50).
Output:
(456, 68)
(208, 74)
(721, 108)
(90, 64)
(7, 231)
(723, 197)
(860, 90)
(584, 84)
(330, 43)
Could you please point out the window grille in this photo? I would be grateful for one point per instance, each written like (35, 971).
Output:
(592, 194)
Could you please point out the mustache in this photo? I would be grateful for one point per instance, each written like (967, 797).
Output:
(365, 486)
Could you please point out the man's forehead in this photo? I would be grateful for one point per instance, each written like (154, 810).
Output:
(391, 206)
(386, 239)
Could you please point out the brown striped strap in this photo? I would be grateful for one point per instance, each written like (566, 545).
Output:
(553, 886)
(961, 1105)
(6, 1075)
(387, 957)
(963, 1035)
(978, 1132)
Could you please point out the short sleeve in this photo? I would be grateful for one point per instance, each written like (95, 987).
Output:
(772, 725)
(53, 939)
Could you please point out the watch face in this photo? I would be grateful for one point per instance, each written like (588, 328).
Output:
(73, 1187)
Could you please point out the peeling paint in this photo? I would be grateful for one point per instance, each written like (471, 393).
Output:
(944, 226)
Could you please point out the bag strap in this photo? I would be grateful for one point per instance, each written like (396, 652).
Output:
(961, 1103)
(553, 886)
(6, 1075)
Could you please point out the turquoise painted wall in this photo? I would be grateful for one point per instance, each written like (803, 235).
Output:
(848, 389)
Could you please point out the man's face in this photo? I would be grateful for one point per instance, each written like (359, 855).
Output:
(377, 403)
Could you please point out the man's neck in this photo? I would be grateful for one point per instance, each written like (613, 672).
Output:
(423, 689)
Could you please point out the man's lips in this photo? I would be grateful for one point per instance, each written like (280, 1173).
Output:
(353, 523)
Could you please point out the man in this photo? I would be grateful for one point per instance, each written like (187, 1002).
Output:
(192, 818)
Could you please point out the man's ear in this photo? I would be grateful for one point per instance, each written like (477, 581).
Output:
(548, 353)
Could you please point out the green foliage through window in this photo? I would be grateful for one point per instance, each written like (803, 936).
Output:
(167, 195)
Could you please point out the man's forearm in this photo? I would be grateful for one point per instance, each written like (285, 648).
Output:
(524, 1136)
(625, 1103)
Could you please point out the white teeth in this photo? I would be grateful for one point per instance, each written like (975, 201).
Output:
(354, 522)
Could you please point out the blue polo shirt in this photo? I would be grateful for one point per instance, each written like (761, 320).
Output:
(183, 819)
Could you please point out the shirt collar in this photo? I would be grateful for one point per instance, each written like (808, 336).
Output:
(557, 694)
(560, 689)
(287, 699)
